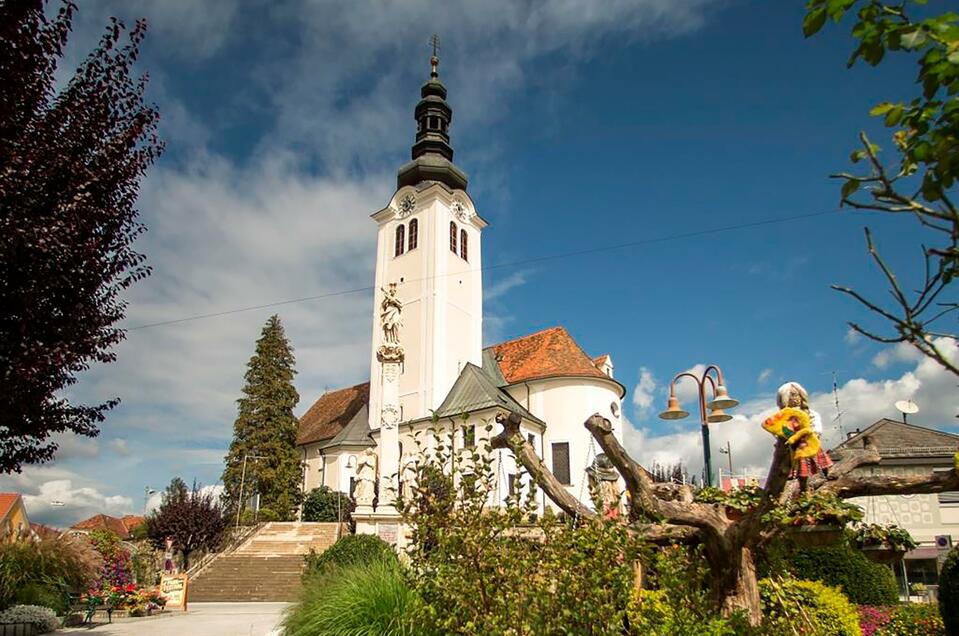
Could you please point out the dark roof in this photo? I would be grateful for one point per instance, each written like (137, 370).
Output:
(897, 439)
(330, 414)
(355, 433)
(545, 354)
(474, 390)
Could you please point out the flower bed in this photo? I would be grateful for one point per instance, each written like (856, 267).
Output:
(124, 600)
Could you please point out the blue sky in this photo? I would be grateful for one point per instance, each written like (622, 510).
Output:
(582, 126)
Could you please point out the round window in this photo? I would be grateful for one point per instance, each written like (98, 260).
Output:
(614, 408)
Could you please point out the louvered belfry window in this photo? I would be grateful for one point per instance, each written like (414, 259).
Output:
(400, 245)
(561, 462)
(453, 237)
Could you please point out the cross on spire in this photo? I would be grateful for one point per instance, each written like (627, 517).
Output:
(434, 60)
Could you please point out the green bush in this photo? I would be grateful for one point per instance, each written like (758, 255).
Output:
(861, 580)
(353, 549)
(949, 592)
(915, 619)
(327, 505)
(810, 608)
(360, 600)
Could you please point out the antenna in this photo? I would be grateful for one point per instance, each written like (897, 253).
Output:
(907, 407)
(839, 412)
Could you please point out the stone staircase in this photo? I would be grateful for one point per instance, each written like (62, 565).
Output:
(267, 566)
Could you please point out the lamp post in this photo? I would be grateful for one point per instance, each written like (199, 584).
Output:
(720, 401)
(239, 503)
(147, 493)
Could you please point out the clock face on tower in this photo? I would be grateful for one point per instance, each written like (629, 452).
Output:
(407, 205)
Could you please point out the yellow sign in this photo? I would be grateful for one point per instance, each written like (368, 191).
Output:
(174, 589)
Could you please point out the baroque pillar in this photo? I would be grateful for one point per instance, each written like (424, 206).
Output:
(390, 356)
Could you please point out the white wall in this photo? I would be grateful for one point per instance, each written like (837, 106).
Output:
(565, 404)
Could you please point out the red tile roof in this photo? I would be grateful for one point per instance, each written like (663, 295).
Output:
(104, 522)
(331, 413)
(548, 353)
(132, 522)
(7, 501)
(599, 361)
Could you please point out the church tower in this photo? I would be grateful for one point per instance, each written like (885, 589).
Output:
(428, 244)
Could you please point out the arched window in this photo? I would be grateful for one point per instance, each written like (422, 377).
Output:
(414, 234)
(400, 240)
(463, 246)
(453, 237)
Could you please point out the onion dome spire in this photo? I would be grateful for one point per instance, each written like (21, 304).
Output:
(432, 154)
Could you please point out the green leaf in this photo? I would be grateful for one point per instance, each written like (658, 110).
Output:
(849, 187)
(913, 39)
(881, 109)
(894, 115)
(814, 21)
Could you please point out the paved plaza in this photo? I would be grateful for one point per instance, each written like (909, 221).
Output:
(208, 619)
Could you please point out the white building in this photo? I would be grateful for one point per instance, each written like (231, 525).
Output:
(429, 244)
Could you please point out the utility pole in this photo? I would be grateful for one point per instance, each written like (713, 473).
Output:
(239, 503)
(728, 452)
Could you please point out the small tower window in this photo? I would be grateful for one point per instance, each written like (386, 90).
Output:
(400, 240)
(453, 237)
(463, 245)
(414, 234)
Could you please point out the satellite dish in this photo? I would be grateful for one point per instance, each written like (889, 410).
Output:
(907, 407)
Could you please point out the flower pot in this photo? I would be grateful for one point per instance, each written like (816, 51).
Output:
(815, 536)
(883, 553)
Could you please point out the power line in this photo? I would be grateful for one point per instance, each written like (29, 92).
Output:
(525, 261)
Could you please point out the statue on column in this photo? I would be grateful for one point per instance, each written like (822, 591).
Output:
(408, 476)
(604, 485)
(366, 469)
(390, 321)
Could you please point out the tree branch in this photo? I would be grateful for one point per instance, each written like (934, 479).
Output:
(512, 439)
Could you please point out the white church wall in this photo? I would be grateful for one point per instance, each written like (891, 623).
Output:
(565, 404)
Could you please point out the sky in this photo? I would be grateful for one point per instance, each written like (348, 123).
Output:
(615, 148)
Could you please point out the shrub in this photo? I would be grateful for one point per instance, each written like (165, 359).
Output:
(367, 599)
(792, 606)
(353, 549)
(117, 568)
(872, 619)
(861, 580)
(679, 603)
(328, 505)
(915, 619)
(41, 571)
(43, 618)
(949, 592)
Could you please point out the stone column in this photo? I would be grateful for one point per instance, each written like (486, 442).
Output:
(389, 431)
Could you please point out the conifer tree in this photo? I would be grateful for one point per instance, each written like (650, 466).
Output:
(265, 431)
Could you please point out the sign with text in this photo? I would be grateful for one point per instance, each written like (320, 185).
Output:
(174, 589)
(387, 532)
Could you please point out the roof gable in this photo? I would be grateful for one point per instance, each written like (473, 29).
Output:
(7, 502)
(548, 353)
(355, 433)
(104, 522)
(894, 438)
(330, 414)
(474, 390)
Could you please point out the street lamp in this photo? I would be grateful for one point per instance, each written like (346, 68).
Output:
(715, 407)
(728, 451)
(239, 503)
(147, 493)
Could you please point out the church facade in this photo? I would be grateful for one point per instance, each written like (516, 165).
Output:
(427, 357)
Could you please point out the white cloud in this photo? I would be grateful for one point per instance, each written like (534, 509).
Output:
(852, 336)
(61, 503)
(644, 393)
(764, 375)
(902, 352)
(862, 402)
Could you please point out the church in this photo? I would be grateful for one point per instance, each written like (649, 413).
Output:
(427, 357)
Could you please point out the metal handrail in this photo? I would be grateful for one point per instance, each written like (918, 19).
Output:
(235, 542)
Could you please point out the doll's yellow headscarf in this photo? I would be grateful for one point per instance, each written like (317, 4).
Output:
(779, 425)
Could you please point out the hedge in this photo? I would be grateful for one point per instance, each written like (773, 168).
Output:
(861, 580)
(949, 592)
(353, 549)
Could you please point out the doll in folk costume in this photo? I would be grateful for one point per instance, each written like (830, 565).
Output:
(801, 427)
